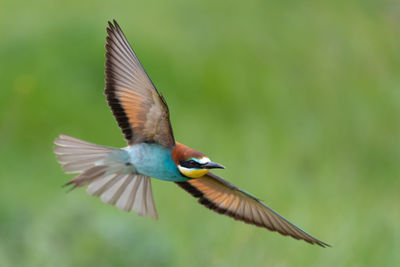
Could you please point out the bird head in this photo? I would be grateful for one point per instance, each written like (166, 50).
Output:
(192, 163)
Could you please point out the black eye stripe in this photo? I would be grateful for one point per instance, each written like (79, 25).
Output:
(190, 164)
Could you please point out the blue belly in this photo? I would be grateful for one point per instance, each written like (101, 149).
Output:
(155, 161)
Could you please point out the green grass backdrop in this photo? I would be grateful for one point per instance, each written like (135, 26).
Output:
(300, 100)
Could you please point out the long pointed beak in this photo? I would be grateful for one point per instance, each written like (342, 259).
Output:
(213, 165)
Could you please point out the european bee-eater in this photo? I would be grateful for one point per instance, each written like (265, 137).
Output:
(121, 177)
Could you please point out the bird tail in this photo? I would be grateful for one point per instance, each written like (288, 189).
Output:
(108, 174)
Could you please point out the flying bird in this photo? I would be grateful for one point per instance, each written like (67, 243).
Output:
(121, 176)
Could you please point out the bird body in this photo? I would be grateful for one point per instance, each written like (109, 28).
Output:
(155, 161)
(122, 176)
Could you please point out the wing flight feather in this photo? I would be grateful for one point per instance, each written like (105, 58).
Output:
(223, 197)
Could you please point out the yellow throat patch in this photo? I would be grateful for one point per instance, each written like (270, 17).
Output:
(193, 173)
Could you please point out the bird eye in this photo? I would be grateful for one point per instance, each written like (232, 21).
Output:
(190, 164)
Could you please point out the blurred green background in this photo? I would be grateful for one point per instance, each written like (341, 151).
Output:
(300, 100)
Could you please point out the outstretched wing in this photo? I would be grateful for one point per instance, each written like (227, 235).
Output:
(141, 112)
(223, 197)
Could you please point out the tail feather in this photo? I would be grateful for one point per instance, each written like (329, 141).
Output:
(88, 176)
(76, 156)
(104, 170)
(150, 206)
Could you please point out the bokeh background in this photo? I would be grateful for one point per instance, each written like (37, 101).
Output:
(300, 100)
